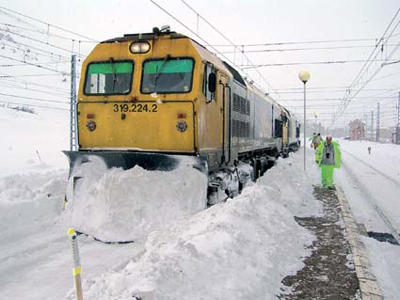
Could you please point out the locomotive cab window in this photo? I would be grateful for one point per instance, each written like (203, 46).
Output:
(209, 82)
(168, 75)
(109, 78)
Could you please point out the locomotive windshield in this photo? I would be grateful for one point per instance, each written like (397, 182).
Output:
(167, 75)
(109, 78)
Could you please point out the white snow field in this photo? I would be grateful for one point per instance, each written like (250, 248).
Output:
(240, 249)
(369, 181)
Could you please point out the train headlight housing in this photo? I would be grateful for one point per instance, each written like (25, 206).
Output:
(91, 125)
(181, 126)
(139, 47)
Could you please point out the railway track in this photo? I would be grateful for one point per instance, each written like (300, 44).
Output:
(372, 168)
(370, 198)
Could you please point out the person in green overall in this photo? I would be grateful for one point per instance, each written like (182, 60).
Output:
(328, 157)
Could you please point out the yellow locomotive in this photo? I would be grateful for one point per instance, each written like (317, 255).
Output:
(159, 99)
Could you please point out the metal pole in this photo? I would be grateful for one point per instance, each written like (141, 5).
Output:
(397, 136)
(398, 111)
(372, 125)
(305, 126)
(378, 121)
(315, 124)
(73, 135)
(76, 270)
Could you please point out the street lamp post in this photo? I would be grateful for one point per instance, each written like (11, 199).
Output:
(315, 124)
(304, 77)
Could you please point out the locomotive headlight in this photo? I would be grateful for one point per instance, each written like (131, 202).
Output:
(91, 125)
(181, 126)
(139, 47)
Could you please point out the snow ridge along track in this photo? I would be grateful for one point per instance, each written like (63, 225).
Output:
(370, 198)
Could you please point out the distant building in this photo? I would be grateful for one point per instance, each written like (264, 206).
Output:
(385, 135)
(357, 130)
(396, 135)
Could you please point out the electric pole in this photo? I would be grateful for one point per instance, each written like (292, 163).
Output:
(378, 122)
(73, 117)
(365, 125)
(372, 125)
(398, 111)
(398, 121)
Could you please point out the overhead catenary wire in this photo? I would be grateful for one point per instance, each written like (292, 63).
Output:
(33, 105)
(35, 65)
(25, 64)
(34, 49)
(302, 49)
(360, 106)
(339, 99)
(357, 85)
(299, 42)
(30, 75)
(34, 99)
(47, 33)
(181, 23)
(328, 62)
(27, 82)
(18, 87)
(48, 24)
(206, 43)
(39, 41)
(236, 47)
(177, 20)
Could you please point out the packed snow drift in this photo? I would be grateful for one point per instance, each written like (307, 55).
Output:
(116, 205)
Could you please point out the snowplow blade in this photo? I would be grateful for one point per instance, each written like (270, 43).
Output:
(128, 159)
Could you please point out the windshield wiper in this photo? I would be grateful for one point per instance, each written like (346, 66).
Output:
(114, 74)
(161, 67)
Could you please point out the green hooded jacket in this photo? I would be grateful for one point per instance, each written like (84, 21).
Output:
(320, 150)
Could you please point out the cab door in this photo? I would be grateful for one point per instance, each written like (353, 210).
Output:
(223, 100)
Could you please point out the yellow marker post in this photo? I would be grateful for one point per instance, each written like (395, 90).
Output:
(76, 270)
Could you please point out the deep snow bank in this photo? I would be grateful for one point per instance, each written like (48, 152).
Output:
(240, 249)
(32, 143)
(29, 209)
(125, 205)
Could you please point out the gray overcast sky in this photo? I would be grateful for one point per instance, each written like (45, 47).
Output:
(258, 22)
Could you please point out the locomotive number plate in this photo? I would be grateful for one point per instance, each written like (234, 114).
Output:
(135, 107)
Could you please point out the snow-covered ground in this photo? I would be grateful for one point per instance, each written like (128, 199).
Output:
(33, 142)
(373, 181)
(240, 249)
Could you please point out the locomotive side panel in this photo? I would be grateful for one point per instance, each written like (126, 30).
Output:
(263, 138)
(213, 115)
(241, 119)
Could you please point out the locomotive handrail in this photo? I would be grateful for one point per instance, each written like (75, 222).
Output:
(230, 122)
(223, 121)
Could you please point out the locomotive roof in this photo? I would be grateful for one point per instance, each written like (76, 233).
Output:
(144, 36)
